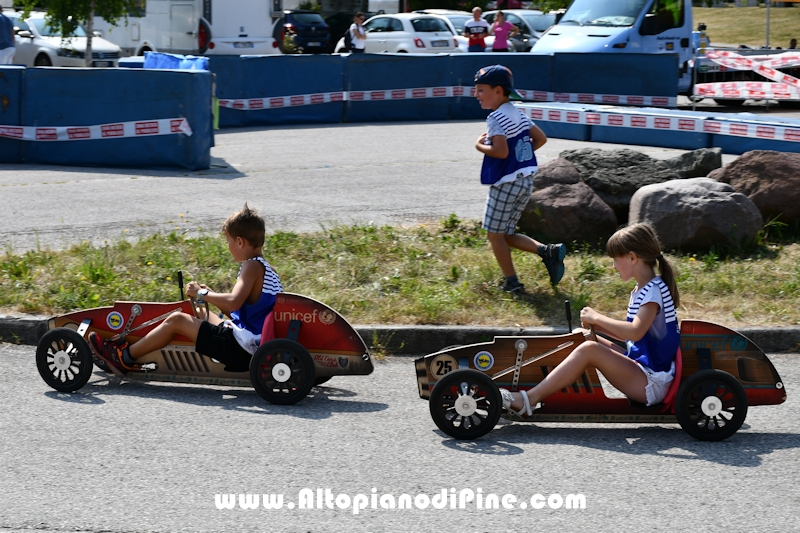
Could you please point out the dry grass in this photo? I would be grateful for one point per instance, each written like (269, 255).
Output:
(440, 274)
(747, 25)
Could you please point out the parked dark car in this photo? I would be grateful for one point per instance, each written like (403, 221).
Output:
(311, 32)
(339, 23)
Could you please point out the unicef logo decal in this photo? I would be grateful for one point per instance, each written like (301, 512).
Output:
(484, 361)
(327, 317)
(738, 343)
(114, 320)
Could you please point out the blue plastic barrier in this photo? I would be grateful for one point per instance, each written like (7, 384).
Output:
(561, 121)
(616, 74)
(755, 132)
(83, 97)
(272, 76)
(11, 82)
(372, 72)
(676, 129)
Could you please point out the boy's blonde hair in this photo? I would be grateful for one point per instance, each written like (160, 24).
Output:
(246, 224)
(642, 240)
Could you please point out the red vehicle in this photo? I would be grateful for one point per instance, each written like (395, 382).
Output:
(719, 374)
(304, 344)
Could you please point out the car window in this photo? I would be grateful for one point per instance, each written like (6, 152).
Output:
(308, 18)
(46, 31)
(540, 22)
(395, 25)
(377, 25)
(21, 25)
(515, 20)
(459, 21)
(423, 25)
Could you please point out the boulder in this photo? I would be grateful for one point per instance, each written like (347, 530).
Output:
(563, 208)
(615, 175)
(696, 214)
(770, 179)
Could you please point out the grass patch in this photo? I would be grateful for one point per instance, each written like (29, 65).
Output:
(440, 274)
(748, 25)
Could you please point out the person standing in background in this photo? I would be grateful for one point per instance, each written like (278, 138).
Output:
(358, 35)
(6, 39)
(476, 30)
(502, 31)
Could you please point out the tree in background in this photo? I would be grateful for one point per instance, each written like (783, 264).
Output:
(64, 16)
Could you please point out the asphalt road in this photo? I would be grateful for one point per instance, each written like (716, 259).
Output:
(138, 457)
(301, 178)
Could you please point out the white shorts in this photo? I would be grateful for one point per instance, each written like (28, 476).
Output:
(6, 56)
(657, 383)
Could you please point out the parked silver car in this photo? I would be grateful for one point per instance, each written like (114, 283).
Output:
(37, 45)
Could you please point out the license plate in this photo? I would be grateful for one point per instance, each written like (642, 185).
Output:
(314, 44)
(101, 63)
(243, 45)
(439, 44)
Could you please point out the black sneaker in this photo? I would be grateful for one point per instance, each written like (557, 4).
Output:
(512, 287)
(553, 259)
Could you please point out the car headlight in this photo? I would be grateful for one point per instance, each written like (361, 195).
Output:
(68, 52)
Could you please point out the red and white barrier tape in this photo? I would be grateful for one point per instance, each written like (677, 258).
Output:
(277, 102)
(685, 124)
(786, 87)
(117, 130)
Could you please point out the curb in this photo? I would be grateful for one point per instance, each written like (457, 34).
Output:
(421, 340)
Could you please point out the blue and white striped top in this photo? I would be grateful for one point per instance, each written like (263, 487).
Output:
(511, 123)
(251, 316)
(657, 349)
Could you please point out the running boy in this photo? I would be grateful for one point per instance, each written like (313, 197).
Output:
(509, 164)
(231, 342)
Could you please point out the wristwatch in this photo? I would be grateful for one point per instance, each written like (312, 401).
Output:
(201, 294)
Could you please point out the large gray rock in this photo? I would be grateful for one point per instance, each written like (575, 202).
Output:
(697, 213)
(615, 175)
(770, 179)
(563, 208)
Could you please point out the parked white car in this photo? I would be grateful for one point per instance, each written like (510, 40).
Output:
(402, 33)
(38, 46)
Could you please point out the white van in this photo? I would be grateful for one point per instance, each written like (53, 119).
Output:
(194, 27)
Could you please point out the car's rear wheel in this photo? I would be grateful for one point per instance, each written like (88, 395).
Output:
(64, 359)
(465, 404)
(42, 60)
(711, 405)
(282, 372)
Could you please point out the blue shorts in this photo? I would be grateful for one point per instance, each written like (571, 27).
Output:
(476, 48)
(505, 205)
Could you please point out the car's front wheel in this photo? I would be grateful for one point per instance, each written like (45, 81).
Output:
(42, 60)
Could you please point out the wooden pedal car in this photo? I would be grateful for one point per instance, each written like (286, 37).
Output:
(304, 344)
(720, 373)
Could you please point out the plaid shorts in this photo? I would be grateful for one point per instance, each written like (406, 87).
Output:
(505, 205)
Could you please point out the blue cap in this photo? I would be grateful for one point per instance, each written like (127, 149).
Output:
(498, 75)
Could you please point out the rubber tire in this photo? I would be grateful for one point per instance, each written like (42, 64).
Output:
(442, 404)
(301, 364)
(78, 350)
(42, 60)
(701, 385)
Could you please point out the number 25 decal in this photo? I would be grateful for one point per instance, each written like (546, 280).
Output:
(443, 364)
